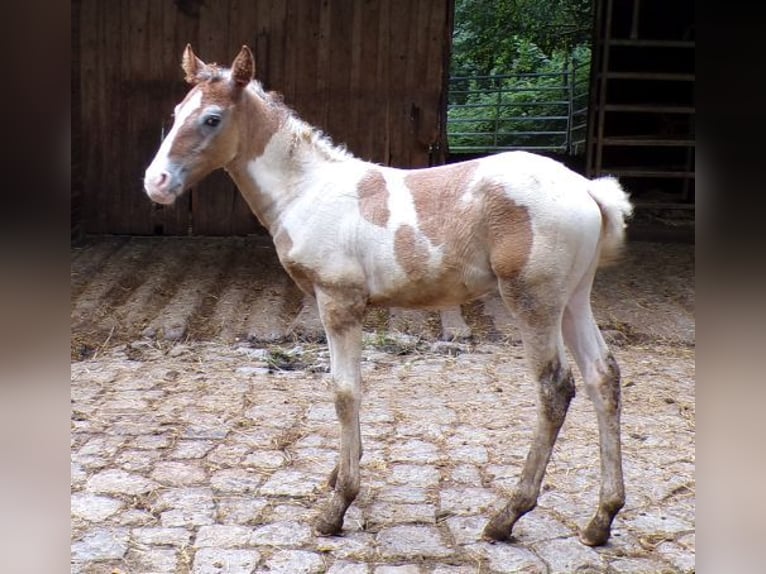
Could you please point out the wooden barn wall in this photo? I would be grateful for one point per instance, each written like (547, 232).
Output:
(370, 73)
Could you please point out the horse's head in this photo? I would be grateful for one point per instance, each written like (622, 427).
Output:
(204, 136)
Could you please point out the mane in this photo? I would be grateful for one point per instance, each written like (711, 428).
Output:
(304, 134)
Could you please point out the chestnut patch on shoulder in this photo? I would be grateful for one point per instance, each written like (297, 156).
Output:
(411, 251)
(373, 198)
(509, 232)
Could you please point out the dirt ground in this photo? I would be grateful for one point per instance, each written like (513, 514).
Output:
(203, 429)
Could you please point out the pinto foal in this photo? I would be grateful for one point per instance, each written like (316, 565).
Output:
(353, 234)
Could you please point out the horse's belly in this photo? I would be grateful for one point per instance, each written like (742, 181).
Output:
(446, 288)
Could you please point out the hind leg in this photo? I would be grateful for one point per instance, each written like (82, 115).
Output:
(544, 348)
(602, 382)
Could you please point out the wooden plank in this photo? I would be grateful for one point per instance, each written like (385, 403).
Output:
(306, 33)
(383, 77)
(339, 75)
(111, 161)
(323, 66)
(357, 124)
(278, 46)
(400, 34)
(176, 31)
(371, 97)
(212, 200)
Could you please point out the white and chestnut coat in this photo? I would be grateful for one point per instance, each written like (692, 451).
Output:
(355, 234)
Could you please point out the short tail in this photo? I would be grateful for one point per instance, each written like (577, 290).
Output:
(616, 209)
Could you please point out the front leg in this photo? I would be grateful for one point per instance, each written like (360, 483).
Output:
(342, 319)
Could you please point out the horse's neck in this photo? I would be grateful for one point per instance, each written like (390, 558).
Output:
(271, 175)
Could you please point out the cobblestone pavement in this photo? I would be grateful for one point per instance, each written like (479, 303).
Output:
(210, 458)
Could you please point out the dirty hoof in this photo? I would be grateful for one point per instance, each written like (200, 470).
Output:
(495, 532)
(324, 527)
(595, 534)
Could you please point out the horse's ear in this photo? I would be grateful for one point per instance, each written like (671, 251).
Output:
(191, 65)
(243, 67)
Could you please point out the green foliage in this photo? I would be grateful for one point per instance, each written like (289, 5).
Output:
(495, 43)
(495, 36)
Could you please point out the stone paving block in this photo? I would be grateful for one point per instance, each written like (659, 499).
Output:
(352, 546)
(474, 454)
(404, 569)
(101, 544)
(412, 541)
(503, 557)
(421, 429)
(315, 460)
(467, 500)
(77, 475)
(154, 560)
(376, 413)
(566, 555)
(390, 513)
(540, 525)
(239, 510)
(158, 536)
(173, 473)
(655, 520)
(402, 494)
(151, 442)
(342, 567)
(466, 529)
(466, 474)
(277, 415)
(265, 459)
(116, 481)
(93, 507)
(135, 517)
(637, 566)
(225, 561)
(291, 512)
(416, 475)
(678, 554)
(291, 483)
(186, 449)
(223, 535)
(137, 461)
(228, 454)
(324, 411)
(450, 569)
(236, 481)
(186, 507)
(415, 451)
(98, 450)
(282, 534)
(295, 562)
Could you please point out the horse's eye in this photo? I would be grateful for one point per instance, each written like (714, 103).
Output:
(212, 121)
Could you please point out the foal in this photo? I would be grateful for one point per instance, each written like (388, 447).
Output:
(353, 234)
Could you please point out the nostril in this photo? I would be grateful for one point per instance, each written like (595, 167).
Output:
(161, 179)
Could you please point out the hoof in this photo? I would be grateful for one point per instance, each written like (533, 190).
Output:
(594, 535)
(495, 533)
(323, 527)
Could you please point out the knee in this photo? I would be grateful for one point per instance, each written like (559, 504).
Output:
(605, 385)
(346, 405)
(557, 389)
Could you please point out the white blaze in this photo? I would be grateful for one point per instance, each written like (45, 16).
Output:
(160, 163)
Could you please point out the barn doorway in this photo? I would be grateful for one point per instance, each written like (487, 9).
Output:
(520, 78)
